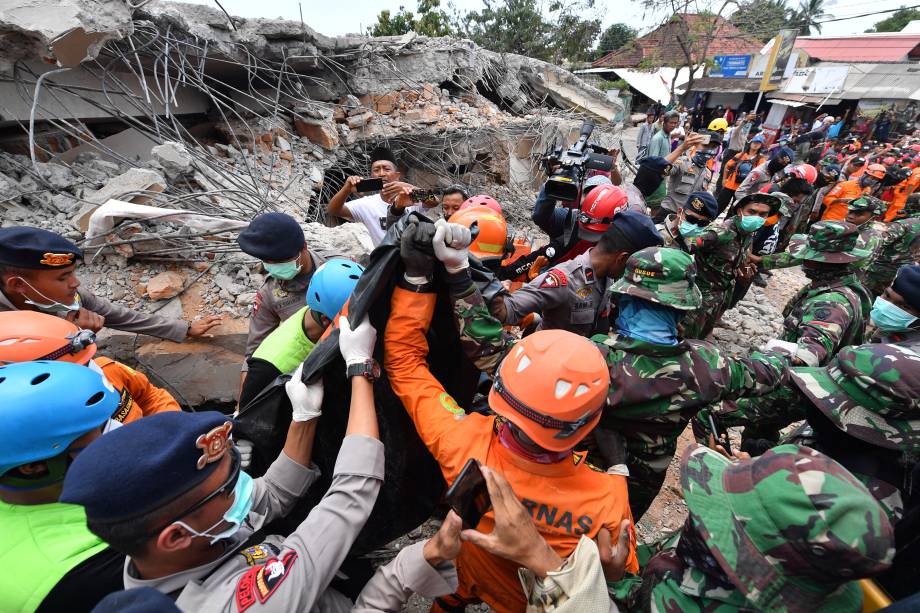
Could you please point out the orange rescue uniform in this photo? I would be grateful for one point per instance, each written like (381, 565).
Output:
(900, 193)
(565, 499)
(138, 397)
(835, 202)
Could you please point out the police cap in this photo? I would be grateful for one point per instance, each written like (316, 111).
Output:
(273, 237)
(703, 203)
(26, 247)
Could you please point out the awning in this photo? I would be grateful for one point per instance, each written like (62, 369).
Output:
(656, 85)
(802, 99)
(726, 85)
(787, 103)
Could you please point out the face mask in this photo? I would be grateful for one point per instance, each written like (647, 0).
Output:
(868, 182)
(701, 157)
(750, 223)
(647, 321)
(52, 307)
(689, 230)
(285, 271)
(235, 515)
(890, 317)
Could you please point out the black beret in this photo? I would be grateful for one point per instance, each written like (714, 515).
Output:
(658, 164)
(146, 464)
(26, 247)
(907, 283)
(137, 600)
(637, 228)
(275, 237)
(703, 203)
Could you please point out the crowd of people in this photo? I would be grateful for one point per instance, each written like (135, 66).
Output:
(594, 356)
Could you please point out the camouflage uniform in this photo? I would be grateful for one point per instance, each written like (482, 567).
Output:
(874, 233)
(902, 246)
(654, 389)
(670, 235)
(719, 252)
(790, 531)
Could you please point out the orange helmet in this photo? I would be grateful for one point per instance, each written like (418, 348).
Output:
(598, 209)
(876, 170)
(553, 386)
(482, 200)
(26, 336)
(493, 231)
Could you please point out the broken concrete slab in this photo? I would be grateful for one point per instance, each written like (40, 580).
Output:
(135, 180)
(322, 133)
(130, 144)
(174, 158)
(165, 285)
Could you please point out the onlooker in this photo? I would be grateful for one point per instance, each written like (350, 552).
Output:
(451, 200)
(660, 144)
(646, 129)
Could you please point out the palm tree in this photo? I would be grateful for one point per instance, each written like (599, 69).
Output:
(808, 16)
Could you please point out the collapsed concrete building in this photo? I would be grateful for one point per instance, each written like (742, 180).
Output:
(149, 133)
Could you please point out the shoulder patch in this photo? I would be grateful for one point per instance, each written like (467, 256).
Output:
(260, 582)
(554, 278)
(258, 553)
(589, 274)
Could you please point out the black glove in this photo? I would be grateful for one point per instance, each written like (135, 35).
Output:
(415, 249)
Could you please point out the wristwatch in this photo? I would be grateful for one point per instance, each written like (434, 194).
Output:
(369, 369)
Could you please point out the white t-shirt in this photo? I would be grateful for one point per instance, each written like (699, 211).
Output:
(372, 212)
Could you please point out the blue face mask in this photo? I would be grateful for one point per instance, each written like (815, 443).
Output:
(235, 515)
(284, 271)
(750, 223)
(647, 321)
(689, 230)
(890, 317)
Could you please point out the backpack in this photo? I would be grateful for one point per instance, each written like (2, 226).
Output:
(742, 171)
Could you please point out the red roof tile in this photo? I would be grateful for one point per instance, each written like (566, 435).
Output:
(870, 48)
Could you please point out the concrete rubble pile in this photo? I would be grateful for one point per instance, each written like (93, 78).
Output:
(174, 106)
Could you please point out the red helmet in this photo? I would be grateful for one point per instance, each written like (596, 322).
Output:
(876, 170)
(553, 385)
(482, 200)
(804, 171)
(598, 209)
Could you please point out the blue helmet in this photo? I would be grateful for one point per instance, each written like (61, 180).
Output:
(331, 285)
(45, 406)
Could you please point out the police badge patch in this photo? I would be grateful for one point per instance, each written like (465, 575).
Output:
(554, 278)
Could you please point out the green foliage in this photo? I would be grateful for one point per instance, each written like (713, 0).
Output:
(896, 21)
(619, 84)
(615, 37)
(431, 21)
(761, 19)
(807, 17)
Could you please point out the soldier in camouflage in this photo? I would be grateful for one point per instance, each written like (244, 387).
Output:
(790, 531)
(902, 246)
(721, 253)
(691, 219)
(896, 313)
(658, 380)
(866, 214)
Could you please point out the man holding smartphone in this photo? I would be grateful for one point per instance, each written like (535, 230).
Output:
(371, 210)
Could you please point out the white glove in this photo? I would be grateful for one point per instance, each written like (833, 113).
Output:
(306, 400)
(357, 345)
(245, 449)
(451, 242)
(774, 344)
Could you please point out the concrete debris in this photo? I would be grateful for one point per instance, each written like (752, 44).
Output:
(174, 159)
(165, 285)
(134, 180)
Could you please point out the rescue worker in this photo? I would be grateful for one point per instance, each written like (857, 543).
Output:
(737, 168)
(735, 146)
(896, 313)
(38, 273)
(278, 241)
(791, 530)
(910, 182)
(700, 210)
(548, 395)
(574, 295)
(828, 174)
(658, 380)
(183, 511)
(293, 340)
(836, 200)
(770, 171)
(451, 200)
(721, 255)
(27, 336)
(50, 412)
(689, 174)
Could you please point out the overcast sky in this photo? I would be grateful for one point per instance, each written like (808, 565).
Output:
(344, 16)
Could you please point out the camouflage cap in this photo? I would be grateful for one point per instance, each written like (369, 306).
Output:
(663, 275)
(871, 392)
(792, 529)
(832, 242)
(868, 203)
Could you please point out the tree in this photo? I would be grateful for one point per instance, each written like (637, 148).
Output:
(761, 19)
(431, 21)
(896, 21)
(574, 27)
(615, 37)
(808, 16)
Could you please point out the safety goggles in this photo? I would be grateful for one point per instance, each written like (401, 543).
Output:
(76, 343)
(565, 428)
(225, 488)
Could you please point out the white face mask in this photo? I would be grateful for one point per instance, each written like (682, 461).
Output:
(52, 307)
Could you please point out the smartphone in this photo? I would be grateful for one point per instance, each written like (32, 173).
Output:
(706, 139)
(468, 496)
(720, 435)
(369, 185)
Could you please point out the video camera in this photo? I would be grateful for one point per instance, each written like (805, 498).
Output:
(567, 168)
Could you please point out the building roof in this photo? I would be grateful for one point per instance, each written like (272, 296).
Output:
(662, 46)
(725, 85)
(887, 47)
(866, 82)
